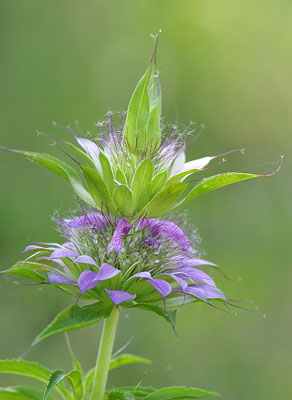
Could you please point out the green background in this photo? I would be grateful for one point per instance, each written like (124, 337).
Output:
(225, 63)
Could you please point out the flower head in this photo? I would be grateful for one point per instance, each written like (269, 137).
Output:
(140, 264)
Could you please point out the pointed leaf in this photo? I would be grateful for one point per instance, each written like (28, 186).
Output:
(158, 182)
(25, 272)
(125, 359)
(98, 189)
(138, 115)
(153, 130)
(123, 199)
(121, 177)
(117, 394)
(164, 199)
(138, 391)
(175, 393)
(75, 317)
(141, 183)
(107, 173)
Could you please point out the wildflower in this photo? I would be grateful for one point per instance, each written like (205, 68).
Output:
(148, 261)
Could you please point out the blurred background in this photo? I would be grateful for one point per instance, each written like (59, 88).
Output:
(224, 63)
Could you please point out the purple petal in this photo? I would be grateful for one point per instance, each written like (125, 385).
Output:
(163, 287)
(196, 275)
(122, 229)
(53, 277)
(85, 260)
(182, 283)
(146, 223)
(145, 275)
(59, 253)
(205, 292)
(69, 245)
(90, 279)
(191, 262)
(34, 247)
(89, 220)
(119, 296)
(170, 231)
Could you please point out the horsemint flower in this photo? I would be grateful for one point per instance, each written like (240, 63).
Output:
(129, 171)
(140, 264)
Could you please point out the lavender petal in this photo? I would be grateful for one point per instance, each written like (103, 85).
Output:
(182, 283)
(122, 229)
(53, 277)
(203, 291)
(191, 262)
(195, 275)
(119, 296)
(59, 253)
(90, 279)
(170, 231)
(85, 260)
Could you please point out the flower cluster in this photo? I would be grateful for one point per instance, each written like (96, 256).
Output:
(148, 261)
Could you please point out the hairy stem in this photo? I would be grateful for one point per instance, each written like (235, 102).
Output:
(104, 355)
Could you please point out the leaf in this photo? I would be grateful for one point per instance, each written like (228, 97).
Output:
(25, 272)
(98, 189)
(138, 391)
(77, 377)
(126, 359)
(75, 317)
(169, 316)
(123, 199)
(175, 393)
(117, 394)
(121, 177)
(138, 115)
(28, 369)
(216, 182)
(21, 393)
(107, 172)
(158, 182)
(60, 168)
(153, 130)
(141, 184)
(59, 376)
(164, 199)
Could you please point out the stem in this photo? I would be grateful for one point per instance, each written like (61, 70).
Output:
(104, 355)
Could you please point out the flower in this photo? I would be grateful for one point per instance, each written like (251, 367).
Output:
(145, 262)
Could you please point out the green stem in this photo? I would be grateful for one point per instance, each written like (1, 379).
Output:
(104, 355)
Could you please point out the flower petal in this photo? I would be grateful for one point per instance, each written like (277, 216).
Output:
(59, 253)
(170, 231)
(163, 287)
(90, 279)
(191, 262)
(205, 292)
(85, 260)
(196, 275)
(178, 162)
(53, 277)
(89, 220)
(182, 283)
(122, 229)
(91, 149)
(119, 296)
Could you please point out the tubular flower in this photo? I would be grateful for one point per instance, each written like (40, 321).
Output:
(144, 263)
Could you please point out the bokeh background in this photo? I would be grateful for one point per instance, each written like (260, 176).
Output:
(224, 63)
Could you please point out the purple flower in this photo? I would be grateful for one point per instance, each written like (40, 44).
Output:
(147, 260)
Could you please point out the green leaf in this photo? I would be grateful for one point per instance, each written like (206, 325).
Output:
(98, 189)
(60, 168)
(216, 182)
(59, 376)
(125, 359)
(25, 272)
(169, 316)
(138, 391)
(141, 184)
(164, 199)
(158, 182)
(21, 393)
(175, 393)
(77, 377)
(26, 368)
(107, 172)
(138, 115)
(123, 199)
(117, 394)
(121, 177)
(153, 131)
(75, 317)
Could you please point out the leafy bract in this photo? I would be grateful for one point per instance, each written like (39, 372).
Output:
(141, 184)
(75, 317)
(59, 376)
(123, 199)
